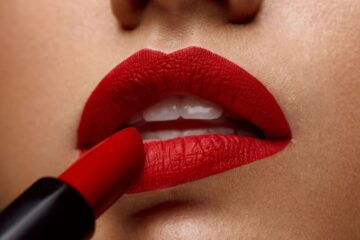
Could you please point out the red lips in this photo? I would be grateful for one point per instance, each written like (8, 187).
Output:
(148, 76)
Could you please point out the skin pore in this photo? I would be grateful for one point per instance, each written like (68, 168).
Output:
(306, 52)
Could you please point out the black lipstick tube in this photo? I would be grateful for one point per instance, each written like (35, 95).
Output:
(50, 209)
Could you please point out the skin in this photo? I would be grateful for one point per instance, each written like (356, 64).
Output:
(306, 52)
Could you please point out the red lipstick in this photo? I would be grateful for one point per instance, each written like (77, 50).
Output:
(66, 207)
(149, 76)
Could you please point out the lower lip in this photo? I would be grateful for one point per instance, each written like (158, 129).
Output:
(180, 160)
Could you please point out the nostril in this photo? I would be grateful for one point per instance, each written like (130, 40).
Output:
(128, 12)
(243, 11)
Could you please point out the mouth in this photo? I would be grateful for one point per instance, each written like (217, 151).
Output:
(198, 113)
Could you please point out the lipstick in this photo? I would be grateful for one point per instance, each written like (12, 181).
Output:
(66, 207)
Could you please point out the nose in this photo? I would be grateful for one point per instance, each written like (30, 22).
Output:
(129, 12)
(243, 10)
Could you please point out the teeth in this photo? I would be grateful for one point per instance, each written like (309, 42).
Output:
(195, 108)
(187, 107)
(168, 134)
(194, 132)
(165, 110)
(165, 134)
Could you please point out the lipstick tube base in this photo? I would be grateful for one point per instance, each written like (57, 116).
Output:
(49, 209)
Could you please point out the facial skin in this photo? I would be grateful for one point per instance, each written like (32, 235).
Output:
(306, 52)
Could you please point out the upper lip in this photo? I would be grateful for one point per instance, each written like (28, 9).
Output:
(148, 76)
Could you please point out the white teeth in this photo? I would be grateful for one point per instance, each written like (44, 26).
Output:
(168, 134)
(221, 130)
(194, 132)
(165, 110)
(187, 107)
(165, 134)
(195, 108)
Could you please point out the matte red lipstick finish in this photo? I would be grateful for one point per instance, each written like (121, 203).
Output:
(66, 207)
(149, 76)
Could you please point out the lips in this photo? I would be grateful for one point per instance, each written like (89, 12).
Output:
(150, 76)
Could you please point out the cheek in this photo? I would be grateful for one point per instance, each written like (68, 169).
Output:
(313, 66)
(37, 127)
(310, 61)
(325, 78)
(48, 54)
